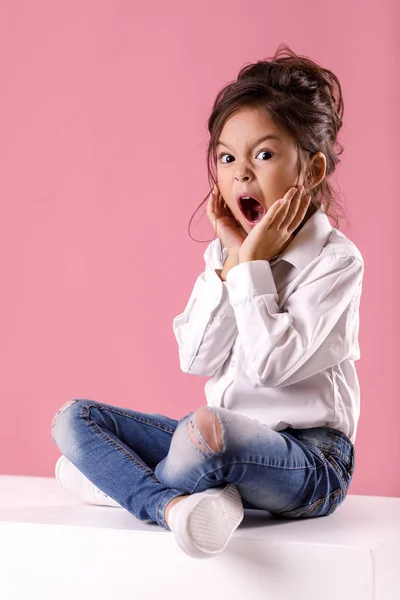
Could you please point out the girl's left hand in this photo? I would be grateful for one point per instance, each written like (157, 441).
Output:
(269, 236)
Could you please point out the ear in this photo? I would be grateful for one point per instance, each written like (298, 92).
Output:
(316, 170)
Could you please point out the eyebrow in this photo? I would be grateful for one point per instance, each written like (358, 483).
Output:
(269, 136)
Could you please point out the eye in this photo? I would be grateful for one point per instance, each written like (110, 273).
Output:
(261, 152)
(265, 152)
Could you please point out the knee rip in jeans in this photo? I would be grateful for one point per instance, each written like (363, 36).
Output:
(59, 412)
(205, 430)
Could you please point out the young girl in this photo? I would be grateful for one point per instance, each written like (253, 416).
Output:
(273, 322)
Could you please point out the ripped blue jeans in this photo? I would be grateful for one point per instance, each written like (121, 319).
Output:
(144, 460)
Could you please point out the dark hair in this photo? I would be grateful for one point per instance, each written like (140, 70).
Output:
(302, 98)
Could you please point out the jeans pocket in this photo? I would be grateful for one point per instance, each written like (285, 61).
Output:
(319, 508)
(351, 467)
(341, 471)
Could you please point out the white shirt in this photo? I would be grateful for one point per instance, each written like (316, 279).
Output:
(279, 339)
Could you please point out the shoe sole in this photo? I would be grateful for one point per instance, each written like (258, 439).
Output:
(57, 470)
(216, 515)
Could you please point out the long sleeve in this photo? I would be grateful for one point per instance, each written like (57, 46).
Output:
(312, 330)
(206, 329)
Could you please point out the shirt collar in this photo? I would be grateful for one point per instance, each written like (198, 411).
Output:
(309, 241)
(304, 247)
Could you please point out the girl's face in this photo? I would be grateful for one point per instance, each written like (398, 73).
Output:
(267, 168)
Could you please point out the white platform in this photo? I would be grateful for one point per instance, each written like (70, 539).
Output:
(54, 548)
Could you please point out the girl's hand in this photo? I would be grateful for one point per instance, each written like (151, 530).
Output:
(227, 228)
(269, 236)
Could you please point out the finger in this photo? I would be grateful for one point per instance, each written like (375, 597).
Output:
(214, 208)
(211, 205)
(293, 207)
(301, 213)
(220, 205)
(283, 206)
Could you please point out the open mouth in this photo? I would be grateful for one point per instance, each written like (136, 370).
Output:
(251, 209)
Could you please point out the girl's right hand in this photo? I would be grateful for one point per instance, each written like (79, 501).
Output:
(227, 228)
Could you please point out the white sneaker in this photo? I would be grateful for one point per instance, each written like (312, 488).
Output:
(203, 523)
(76, 484)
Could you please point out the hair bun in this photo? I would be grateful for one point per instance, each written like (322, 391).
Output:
(301, 77)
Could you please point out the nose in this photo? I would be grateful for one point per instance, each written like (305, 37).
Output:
(242, 176)
(242, 171)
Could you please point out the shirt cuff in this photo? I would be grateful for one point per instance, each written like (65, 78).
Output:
(250, 278)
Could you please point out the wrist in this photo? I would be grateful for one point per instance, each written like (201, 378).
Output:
(231, 261)
(243, 259)
(234, 251)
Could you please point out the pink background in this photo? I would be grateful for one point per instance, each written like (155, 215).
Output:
(103, 110)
